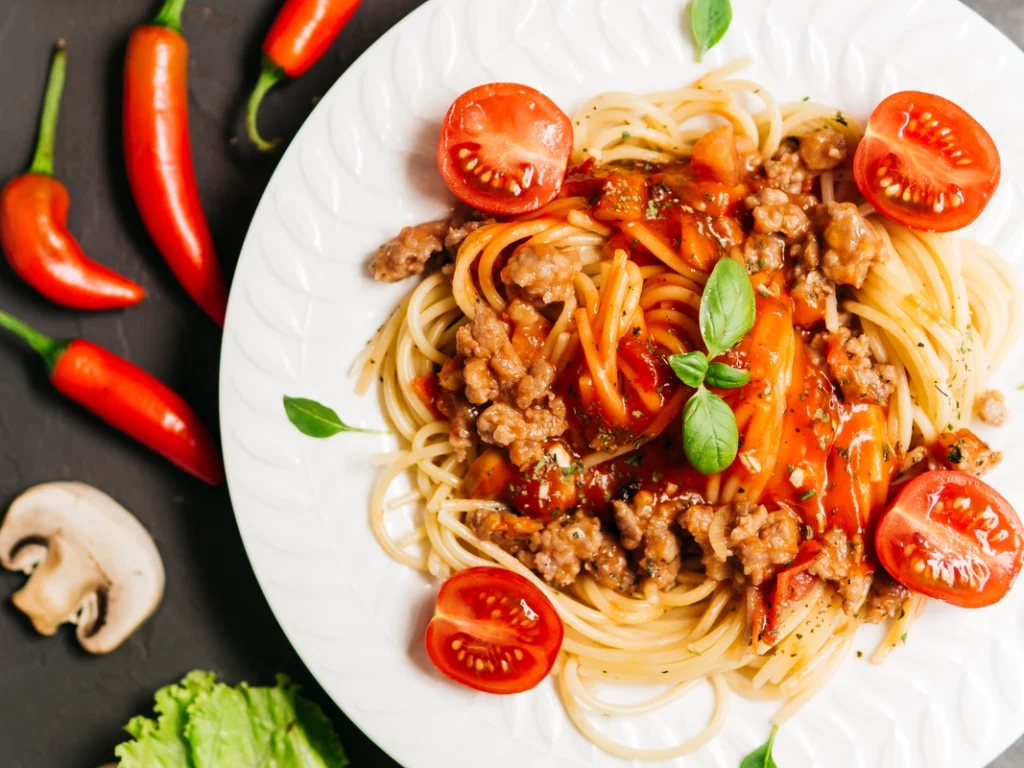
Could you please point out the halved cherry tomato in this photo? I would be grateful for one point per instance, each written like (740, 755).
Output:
(494, 631)
(504, 148)
(925, 163)
(951, 536)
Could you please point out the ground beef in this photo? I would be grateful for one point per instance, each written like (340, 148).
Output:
(541, 274)
(840, 566)
(807, 253)
(764, 540)
(648, 529)
(786, 171)
(523, 432)
(461, 417)
(459, 228)
(823, 150)
(852, 244)
(991, 408)
(809, 286)
(516, 410)
(559, 551)
(758, 541)
(498, 368)
(886, 599)
(536, 384)
(852, 364)
(774, 213)
(965, 451)
(610, 566)
(763, 253)
(508, 530)
(407, 254)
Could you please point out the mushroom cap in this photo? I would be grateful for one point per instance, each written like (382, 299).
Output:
(91, 563)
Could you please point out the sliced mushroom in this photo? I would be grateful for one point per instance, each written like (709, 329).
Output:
(91, 563)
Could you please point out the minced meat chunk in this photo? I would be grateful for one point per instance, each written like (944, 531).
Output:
(559, 551)
(886, 598)
(774, 213)
(853, 246)
(965, 451)
(541, 274)
(852, 364)
(536, 384)
(408, 253)
(991, 408)
(840, 566)
(786, 171)
(610, 566)
(459, 228)
(647, 528)
(485, 344)
(764, 540)
(522, 413)
(523, 432)
(508, 530)
(759, 540)
(823, 150)
(461, 415)
(763, 253)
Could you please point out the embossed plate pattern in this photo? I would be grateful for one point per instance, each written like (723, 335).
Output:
(302, 307)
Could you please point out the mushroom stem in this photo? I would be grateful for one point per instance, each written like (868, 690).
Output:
(59, 586)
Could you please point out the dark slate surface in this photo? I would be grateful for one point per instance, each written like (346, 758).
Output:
(58, 707)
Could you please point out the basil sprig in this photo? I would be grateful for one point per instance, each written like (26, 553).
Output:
(317, 420)
(762, 756)
(710, 19)
(727, 308)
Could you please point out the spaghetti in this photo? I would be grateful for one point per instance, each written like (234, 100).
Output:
(936, 315)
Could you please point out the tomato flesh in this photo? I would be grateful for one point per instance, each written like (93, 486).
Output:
(926, 163)
(494, 631)
(504, 148)
(951, 536)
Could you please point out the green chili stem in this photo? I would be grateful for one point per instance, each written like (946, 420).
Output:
(49, 349)
(270, 75)
(42, 161)
(170, 15)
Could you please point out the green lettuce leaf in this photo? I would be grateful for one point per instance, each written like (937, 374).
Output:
(248, 727)
(160, 743)
(201, 723)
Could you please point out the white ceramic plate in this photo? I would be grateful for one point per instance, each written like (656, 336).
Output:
(302, 307)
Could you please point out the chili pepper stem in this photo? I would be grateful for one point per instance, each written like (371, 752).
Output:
(42, 160)
(49, 349)
(170, 15)
(270, 75)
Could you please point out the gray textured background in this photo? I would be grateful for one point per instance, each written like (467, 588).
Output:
(58, 707)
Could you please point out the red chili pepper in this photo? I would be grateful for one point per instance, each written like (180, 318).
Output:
(158, 154)
(126, 397)
(302, 31)
(33, 226)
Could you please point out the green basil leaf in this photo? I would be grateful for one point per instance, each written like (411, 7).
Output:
(762, 756)
(710, 20)
(725, 377)
(726, 307)
(690, 368)
(710, 436)
(317, 420)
